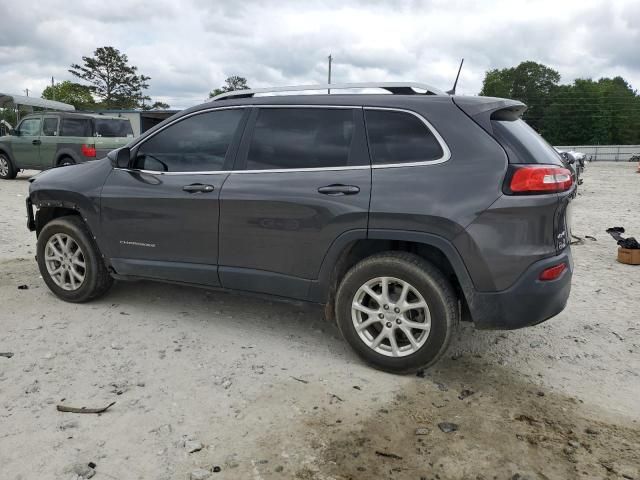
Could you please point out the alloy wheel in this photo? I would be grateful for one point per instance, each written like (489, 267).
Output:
(65, 262)
(391, 316)
(4, 167)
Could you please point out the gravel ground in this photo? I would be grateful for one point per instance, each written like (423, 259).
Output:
(216, 385)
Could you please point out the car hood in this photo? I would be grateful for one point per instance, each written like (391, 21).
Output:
(77, 177)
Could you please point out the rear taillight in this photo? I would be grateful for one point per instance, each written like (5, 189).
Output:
(89, 150)
(552, 273)
(531, 179)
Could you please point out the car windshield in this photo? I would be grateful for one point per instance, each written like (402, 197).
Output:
(111, 127)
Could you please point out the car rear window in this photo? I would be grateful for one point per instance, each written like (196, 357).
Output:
(110, 127)
(400, 137)
(76, 127)
(523, 144)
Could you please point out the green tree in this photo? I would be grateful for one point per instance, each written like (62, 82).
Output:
(157, 106)
(530, 82)
(72, 93)
(111, 79)
(230, 84)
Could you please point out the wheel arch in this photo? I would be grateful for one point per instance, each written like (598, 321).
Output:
(353, 247)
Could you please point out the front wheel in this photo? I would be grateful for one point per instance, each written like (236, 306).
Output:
(7, 170)
(69, 261)
(397, 311)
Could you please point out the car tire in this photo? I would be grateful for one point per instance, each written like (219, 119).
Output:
(64, 161)
(7, 170)
(72, 276)
(394, 317)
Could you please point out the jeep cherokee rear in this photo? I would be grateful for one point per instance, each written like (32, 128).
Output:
(398, 212)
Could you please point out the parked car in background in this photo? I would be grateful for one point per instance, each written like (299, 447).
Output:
(574, 161)
(50, 139)
(400, 213)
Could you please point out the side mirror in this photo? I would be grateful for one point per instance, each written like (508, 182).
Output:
(120, 158)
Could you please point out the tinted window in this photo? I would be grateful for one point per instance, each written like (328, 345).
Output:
(301, 138)
(30, 127)
(108, 127)
(195, 144)
(76, 127)
(523, 144)
(399, 137)
(50, 127)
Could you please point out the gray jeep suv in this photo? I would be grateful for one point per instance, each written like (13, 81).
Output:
(401, 213)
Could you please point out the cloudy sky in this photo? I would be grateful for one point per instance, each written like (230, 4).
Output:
(189, 47)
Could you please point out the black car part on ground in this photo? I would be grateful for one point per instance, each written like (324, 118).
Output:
(629, 242)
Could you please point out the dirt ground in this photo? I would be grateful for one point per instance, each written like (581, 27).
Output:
(258, 390)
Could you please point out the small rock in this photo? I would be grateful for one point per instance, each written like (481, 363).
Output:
(200, 474)
(592, 431)
(23, 287)
(574, 444)
(33, 388)
(115, 346)
(536, 344)
(422, 431)
(448, 427)
(216, 469)
(540, 393)
(259, 369)
(140, 384)
(192, 446)
(83, 470)
(442, 387)
(465, 393)
(279, 468)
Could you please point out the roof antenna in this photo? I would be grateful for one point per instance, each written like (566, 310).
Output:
(455, 84)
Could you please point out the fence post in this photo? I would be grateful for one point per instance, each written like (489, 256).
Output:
(618, 154)
(595, 155)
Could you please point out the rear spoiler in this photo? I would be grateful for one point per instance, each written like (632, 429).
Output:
(484, 109)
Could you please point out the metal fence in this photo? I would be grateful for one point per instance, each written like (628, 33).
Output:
(606, 153)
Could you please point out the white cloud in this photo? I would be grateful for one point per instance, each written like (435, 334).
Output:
(191, 46)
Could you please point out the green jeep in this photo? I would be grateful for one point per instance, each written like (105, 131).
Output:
(50, 139)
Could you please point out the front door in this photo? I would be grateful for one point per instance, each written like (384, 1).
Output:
(49, 141)
(160, 216)
(26, 144)
(302, 180)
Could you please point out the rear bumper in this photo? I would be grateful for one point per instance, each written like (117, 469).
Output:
(528, 302)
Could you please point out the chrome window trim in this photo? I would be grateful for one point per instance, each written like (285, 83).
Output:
(445, 149)
(446, 153)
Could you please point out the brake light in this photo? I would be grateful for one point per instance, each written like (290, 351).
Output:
(552, 273)
(89, 150)
(529, 179)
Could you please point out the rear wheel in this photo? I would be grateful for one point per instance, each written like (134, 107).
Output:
(7, 169)
(397, 311)
(70, 262)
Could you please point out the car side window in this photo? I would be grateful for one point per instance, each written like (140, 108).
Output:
(291, 138)
(196, 144)
(30, 127)
(50, 127)
(400, 137)
(76, 127)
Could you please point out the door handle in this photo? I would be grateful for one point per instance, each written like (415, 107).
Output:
(339, 190)
(198, 187)
(36, 142)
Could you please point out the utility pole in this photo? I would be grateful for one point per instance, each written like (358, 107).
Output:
(329, 76)
(53, 89)
(26, 91)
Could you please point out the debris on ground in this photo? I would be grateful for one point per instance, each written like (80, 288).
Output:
(300, 380)
(465, 393)
(64, 408)
(333, 397)
(6, 354)
(422, 431)
(192, 446)
(388, 455)
(630, 242)
(448, 427)
(23, 287)
(82, 470)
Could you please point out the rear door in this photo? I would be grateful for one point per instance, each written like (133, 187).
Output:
(302, 180)
(111, 133)
(26, 145)
(160, 216)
